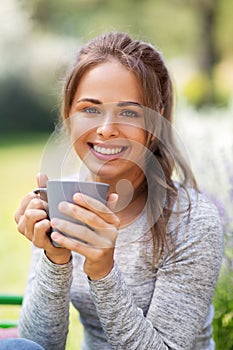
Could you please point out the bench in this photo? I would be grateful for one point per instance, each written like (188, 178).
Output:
(8, 328)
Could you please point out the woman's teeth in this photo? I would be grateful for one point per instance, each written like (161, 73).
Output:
(108, 150)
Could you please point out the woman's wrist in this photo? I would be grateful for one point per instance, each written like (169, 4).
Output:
(96, 276)
(58, 259)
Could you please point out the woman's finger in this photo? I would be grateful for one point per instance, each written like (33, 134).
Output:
(23, 205)
(112, 201)
(105, 238)
(29, 219)
(29, 213)
(40, 234)
(90, 252)
(94, 206)
(31, 200)
(41, 180)
(87, 216)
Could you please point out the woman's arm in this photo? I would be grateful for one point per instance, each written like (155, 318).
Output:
(45, 312)
(44, 315)
(183, 291)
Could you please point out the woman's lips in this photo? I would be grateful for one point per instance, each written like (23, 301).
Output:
(107, 152)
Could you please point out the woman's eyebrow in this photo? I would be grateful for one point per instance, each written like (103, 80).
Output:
(118, 104)
(89, 99)
(128, 103)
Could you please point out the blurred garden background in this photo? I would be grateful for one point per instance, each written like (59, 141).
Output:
(38, 41)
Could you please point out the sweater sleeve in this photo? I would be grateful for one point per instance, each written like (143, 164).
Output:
(182, 296)
(45, 312)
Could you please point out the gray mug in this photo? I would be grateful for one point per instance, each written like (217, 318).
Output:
(58, 191)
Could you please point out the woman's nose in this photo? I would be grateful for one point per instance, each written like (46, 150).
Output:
(108, 129)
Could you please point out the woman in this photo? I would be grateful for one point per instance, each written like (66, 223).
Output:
(145, 277)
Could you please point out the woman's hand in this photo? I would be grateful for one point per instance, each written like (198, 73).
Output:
(32, 220)
(97, 240)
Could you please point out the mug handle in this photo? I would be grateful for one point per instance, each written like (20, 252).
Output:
(42, 191)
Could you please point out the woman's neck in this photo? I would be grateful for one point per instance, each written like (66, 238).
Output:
(132, 211)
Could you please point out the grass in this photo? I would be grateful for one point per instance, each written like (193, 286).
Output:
(20, 157)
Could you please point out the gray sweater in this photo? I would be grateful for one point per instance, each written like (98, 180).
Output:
(137, 305)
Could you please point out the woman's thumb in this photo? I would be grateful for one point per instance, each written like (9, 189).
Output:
(112, 201)
(41, 180)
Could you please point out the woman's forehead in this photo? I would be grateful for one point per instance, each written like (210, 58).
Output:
(109, 82)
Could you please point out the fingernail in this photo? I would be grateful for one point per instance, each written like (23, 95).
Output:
(63, 206)
(55, 222)
(113, 197)
(55, 235)
(78, 196)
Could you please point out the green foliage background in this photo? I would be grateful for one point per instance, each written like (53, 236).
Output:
(39, 39)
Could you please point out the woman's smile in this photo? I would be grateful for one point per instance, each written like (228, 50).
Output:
(107, 152)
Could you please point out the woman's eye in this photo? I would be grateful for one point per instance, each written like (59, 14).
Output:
(91, 110)
(129, 113)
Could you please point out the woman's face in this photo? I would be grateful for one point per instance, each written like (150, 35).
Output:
(107, 123)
